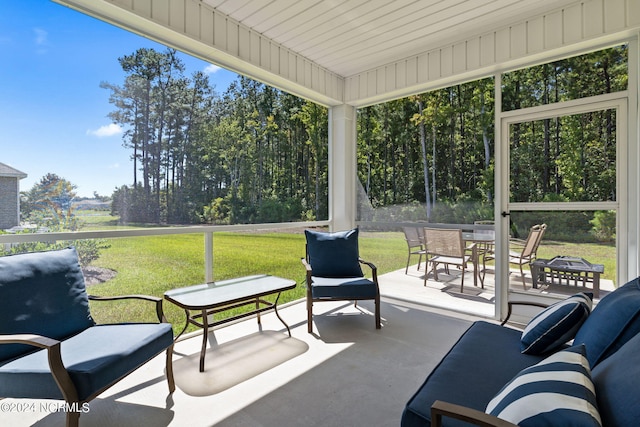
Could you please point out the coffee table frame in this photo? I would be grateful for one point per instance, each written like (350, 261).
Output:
(210, 298)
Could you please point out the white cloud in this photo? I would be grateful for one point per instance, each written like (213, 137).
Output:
(104, 131)
(114, 166)
(40, 36)
(211, 69)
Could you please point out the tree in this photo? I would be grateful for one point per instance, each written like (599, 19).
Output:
(49, 205)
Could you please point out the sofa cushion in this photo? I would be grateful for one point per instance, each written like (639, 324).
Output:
(347, 288)
(334, 254)
(42, 293)
(613, 322)
(483, 360)
(556, 325)
(94, 359)
(557, 391)
(617, 386)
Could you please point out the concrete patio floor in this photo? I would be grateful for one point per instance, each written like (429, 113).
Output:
(346, 373)
(475, 300)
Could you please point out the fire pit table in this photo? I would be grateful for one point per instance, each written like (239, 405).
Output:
(566, 270)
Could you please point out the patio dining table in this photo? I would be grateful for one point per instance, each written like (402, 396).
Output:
(483, 237)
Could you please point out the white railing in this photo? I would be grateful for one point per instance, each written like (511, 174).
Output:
(208, 231)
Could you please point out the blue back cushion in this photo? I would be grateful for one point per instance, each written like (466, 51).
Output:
(333, 254)
(617, 386)
(613, 322)
(42, 293)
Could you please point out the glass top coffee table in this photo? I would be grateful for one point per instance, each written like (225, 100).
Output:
(209, 298)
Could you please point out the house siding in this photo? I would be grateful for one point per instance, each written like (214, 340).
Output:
(9, 209)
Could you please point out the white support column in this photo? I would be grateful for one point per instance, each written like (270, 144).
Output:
(342, 167)
(501, 198)
(632, 214)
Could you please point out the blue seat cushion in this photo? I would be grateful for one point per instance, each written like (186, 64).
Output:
(617, 386)
(94, 358)
(556, 324)
(484, 359)
(343, 288)
(613, 322)
(42, 293)
(334, 254)
(558, 391)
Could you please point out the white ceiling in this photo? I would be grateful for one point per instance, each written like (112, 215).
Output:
(348, 37)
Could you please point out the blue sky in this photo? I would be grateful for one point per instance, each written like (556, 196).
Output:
(53, 113)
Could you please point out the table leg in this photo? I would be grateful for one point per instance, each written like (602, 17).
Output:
(258, 308)
(596, 285)
(205, 334)
(474, 255)
(535, 272)
(186, 323)
(275, 309)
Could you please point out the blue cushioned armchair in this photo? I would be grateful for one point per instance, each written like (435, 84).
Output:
(333, 270)
(50, 346)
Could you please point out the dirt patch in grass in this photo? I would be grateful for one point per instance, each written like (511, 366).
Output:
(95, 275)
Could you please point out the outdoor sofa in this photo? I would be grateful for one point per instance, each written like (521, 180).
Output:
(488, 371)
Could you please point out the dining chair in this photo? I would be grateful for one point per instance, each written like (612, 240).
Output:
(445, 246)
(527, 253)
(415, 245)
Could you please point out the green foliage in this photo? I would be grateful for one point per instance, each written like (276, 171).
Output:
(256, 154)
(217, 212)
(604, 225)
(49, 207)
(191, 147)
(133, 205)
(88, 250)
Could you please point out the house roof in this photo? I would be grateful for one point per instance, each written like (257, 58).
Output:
(362, 52)
(8, 171)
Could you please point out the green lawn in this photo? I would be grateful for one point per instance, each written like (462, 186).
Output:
(151, 265)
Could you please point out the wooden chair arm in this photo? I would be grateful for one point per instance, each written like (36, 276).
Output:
(510, 305)
(59, 372)
(473, 416)
(156, 300)
(306, 264)
(29, 339)
(307, 267)
(369, 264)
(374, 269)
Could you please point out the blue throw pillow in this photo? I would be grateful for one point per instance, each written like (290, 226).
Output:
(42, 293)
(613, 322)
(557, 391)
(334, 254)
(556, 324)
(616, 380)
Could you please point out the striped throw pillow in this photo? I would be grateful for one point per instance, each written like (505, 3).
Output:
(556, 324)
(558, 391)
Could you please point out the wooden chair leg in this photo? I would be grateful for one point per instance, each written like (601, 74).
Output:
(377, 312)
(170, 380)
(309, 316)
(524, 285)
(73, 419)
